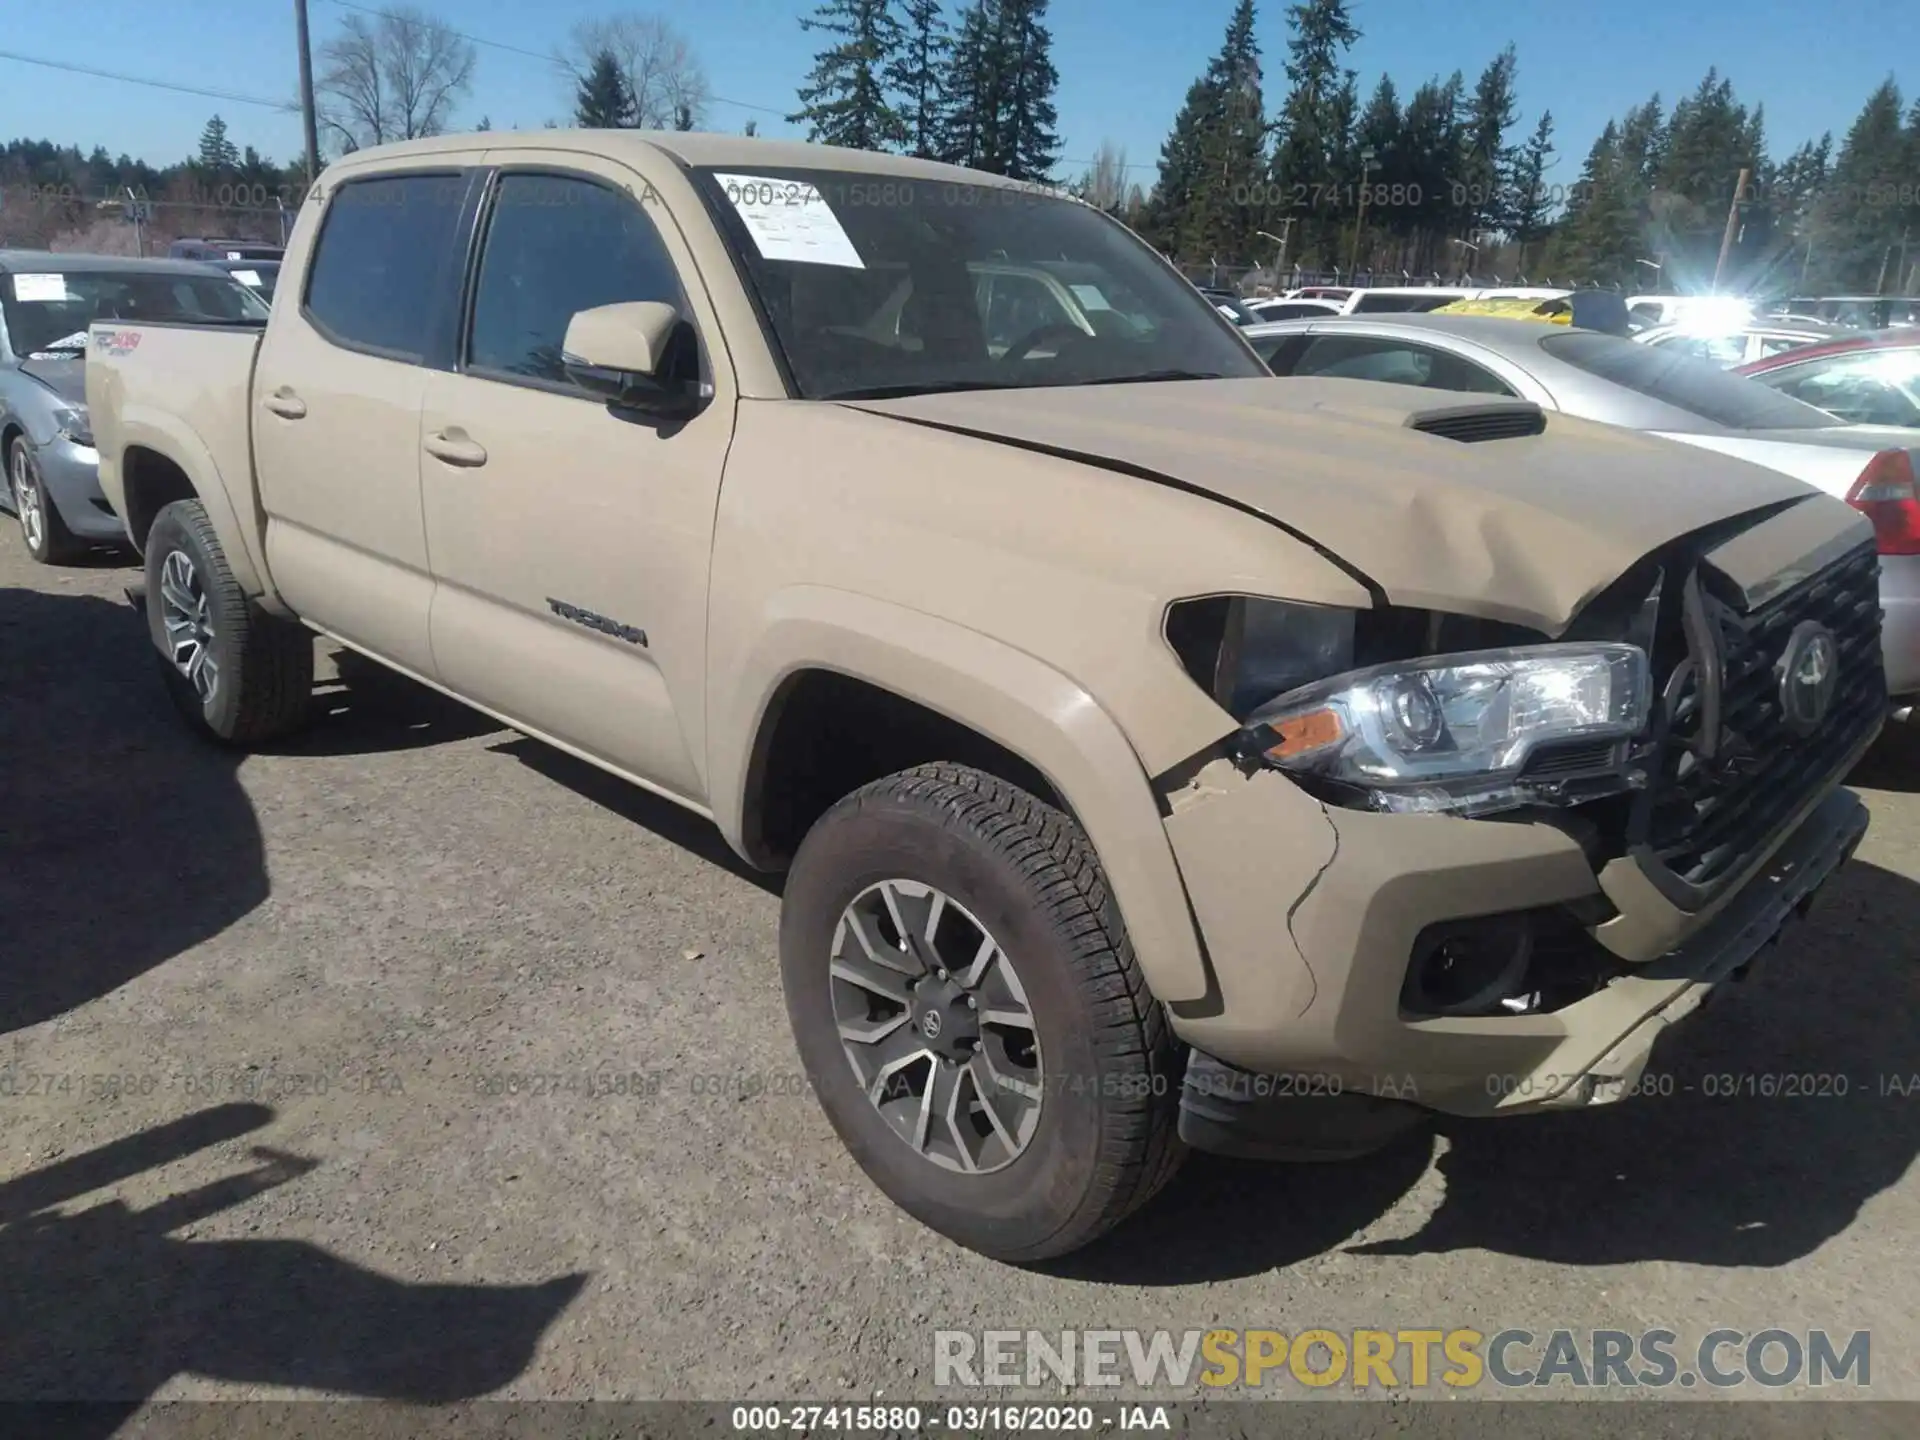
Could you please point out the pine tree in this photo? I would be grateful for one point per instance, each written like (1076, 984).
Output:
(999, 113)
(1796, 186)
(845, 99)
(1532, 206)
(217, 153)
(1304, 157)
(1860, 218)
(1026, 144)
(972, 90)
(1211, 188)
(1487, 167)
(916, 74)
(1599, 241)
(603, 101)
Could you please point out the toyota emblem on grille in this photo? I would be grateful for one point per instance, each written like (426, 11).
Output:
(1809, 672)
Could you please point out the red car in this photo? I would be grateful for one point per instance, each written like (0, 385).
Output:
(1866, 379)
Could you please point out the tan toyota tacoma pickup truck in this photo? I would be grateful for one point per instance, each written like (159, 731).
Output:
(1160, 754)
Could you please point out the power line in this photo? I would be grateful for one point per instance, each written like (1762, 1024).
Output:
(553, 61)
(228, 95)
(234, 97)
(556, 62)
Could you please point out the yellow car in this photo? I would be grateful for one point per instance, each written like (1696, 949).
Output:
(1557, 311)
(1589, 309)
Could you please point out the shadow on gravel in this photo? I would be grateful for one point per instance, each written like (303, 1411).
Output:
(639, 807)
(1894, 761)
(367, 709)
(127, 840)
(1792, 1100)
(106, 1305)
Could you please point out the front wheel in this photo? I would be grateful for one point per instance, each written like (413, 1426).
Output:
(46, 535)
(969, 1010)
(238, 674)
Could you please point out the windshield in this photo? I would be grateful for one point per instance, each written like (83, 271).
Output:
(259, 276)
(48, 312)
(883, 285)
(1699, 387)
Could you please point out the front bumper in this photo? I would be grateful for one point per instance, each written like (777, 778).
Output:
(1900, 624)
(1309, 984)
(71, 475)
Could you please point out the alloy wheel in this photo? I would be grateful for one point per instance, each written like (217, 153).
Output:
(26, 500)
(936, 1025)
(187, 615)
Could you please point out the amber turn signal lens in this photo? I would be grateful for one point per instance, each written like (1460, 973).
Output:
(1298, 734)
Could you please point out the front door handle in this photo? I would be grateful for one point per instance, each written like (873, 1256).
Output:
(456, 447)
(283, 402)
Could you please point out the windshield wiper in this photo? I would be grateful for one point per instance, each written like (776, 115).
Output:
(1149, 376)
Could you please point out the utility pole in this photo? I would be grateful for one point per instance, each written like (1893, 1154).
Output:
(1733, 221)
(1280, 261)
(306, 94)
(1360, 219)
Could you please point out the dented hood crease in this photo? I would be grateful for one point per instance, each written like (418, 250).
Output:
(1525, 530)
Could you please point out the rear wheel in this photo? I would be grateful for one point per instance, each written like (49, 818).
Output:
(971, 1015)
(238, 674)
(47, 537)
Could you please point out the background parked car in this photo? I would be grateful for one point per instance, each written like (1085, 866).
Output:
(1731, 345)
(1857, 312)
(47, 301)
(216, 249)
(1403, 299)
(1867, 380)
(1621, 382)
(259, 276)
(1281, 308)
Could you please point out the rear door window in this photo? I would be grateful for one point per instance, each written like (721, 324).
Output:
(1698, 387)
(384, 264)
(1873, 388)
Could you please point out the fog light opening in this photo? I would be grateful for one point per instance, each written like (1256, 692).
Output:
(1472, 967)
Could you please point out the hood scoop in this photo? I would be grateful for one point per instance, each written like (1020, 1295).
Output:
(1470, 424)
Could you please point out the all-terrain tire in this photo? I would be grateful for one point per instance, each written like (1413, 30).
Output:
(1106, 1136)
(264, 678)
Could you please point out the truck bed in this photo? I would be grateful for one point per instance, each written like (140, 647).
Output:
(181, 389)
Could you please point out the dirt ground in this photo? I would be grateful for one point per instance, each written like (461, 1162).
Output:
(416, 1060)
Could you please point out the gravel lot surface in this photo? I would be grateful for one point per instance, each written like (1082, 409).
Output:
(416, 1060)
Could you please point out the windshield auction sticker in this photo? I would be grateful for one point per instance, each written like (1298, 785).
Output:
(39, 287)
(790, 220)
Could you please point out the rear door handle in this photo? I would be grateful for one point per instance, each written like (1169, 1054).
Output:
(456, 448)
(285, 403)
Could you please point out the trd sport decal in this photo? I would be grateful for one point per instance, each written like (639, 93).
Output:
(629, 633)
(117, 342)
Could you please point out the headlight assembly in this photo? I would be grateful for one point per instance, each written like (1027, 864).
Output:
(75, 425)
(1457, 734)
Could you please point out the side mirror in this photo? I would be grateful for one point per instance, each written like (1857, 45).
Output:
(625, 352)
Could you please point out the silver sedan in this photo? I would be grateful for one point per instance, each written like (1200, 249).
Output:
(1655, 389)
(47, 303)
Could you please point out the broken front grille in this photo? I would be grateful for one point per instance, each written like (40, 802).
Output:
(1716, 798)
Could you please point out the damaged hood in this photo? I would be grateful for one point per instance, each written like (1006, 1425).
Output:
(65, 375)
(1522, 527)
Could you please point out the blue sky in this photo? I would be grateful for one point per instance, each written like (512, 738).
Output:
(1124, 64)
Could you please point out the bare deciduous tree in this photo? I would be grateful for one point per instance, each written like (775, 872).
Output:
(667, 81)
(394, 76)
(1104, 185)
